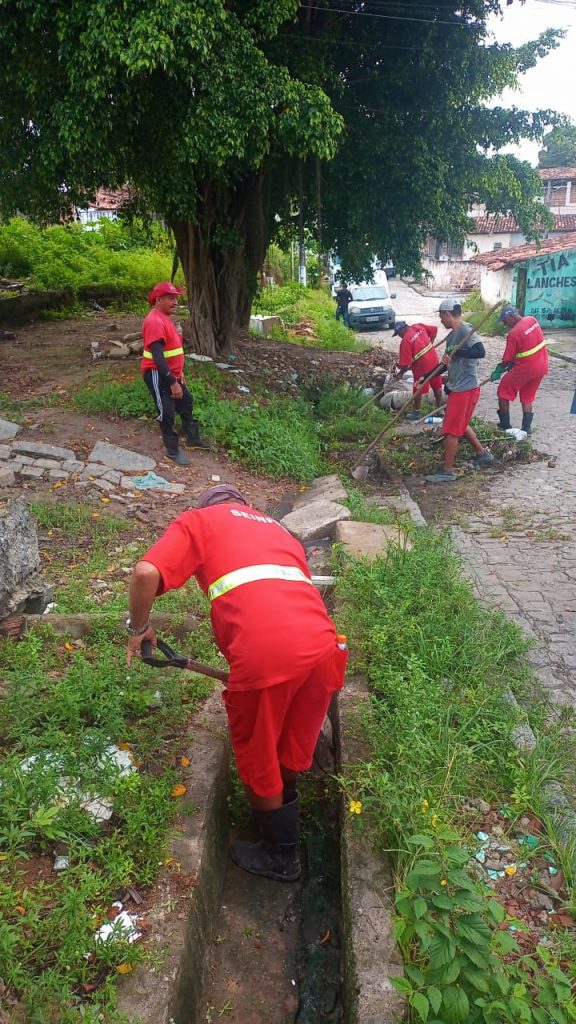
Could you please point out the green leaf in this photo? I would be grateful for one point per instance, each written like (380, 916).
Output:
(442, 951)
(427, 867)
(441, 901)
(420, 907)
(465, 900)
(403, 905)
(421, 1005)
(497, 911)
(455, 1005)
(449, 974)
(401, 984)
(434, 997)
(476, 978)
(398, 930)
(504, 942)
(415, 974)
(455, 856)
(421, 840)
(474, 955)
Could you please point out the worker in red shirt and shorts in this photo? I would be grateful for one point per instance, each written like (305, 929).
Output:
(417, 354)
(285, 659)
(526, 361)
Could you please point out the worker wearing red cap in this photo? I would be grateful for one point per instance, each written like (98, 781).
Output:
(526, 361)
(285, 659)
(417, 354)
(162, 366)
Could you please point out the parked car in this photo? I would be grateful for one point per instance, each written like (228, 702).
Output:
(371, 306)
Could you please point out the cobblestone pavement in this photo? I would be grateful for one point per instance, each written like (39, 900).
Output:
(520, 550)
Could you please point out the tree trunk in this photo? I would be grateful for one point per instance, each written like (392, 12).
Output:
(221, 255)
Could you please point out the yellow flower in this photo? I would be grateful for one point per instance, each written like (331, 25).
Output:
(178, 790)
(443, 881)
(355, 807)
(124, 968)
(424, 806)
(434, 821)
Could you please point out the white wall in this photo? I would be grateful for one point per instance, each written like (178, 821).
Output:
(460, 275)
(495, 284)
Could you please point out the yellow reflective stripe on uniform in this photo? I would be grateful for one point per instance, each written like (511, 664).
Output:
(252, 573)
(422, 353)
(169, 352)
(531, 351)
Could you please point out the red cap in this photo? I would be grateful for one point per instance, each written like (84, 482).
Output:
(164, 288)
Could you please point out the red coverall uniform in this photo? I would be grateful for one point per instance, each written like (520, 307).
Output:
(270, 624)
(416, 352)
(525, 344)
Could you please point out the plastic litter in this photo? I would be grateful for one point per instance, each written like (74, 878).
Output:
(123, 927)
(482, 836)
(243, 389)
(480, 856)
(61, 863)
(433, 419)
(199, 358)
(518, 435)
(151, 481)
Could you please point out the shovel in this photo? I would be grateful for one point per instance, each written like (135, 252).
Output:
(172, 659)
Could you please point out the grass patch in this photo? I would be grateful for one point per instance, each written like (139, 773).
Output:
(311, 309)
(422, 452)
(64, 703)
(440, 726)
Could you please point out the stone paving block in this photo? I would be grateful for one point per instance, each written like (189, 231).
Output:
(40, 450)
(8, 430)
(33, 472)
(128, 483)
(101, 484)
(113, 476)
(114, 457)
(5, 451)
(21, 460)
(57, 474)
(94, 470)
(73, 466)
(324, 488)
(318, 519)
(369, 540)
(7, 478)
(47, 463)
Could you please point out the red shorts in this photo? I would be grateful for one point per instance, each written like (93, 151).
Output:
(523, 379)
(435, 383)
(280, 725)
(459, 409)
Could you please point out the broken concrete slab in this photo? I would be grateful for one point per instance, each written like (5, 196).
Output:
(370, 540)
(7, 478)
(57, 474)
(39, 450)
(114, 457)
(5, 451)
(34, 472)
(19, 558)
(316, 519)
(324, 488)
(94, 469)
(73, 466)
(8, 430)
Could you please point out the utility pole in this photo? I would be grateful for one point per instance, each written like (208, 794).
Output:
(302, 278)
(319, 216)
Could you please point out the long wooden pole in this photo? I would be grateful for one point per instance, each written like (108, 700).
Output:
(358, 472)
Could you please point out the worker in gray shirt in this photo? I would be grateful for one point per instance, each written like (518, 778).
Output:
(463, 392)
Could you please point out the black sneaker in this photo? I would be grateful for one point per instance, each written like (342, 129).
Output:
(198, 443)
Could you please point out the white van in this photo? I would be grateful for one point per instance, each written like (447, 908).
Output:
(371, 304)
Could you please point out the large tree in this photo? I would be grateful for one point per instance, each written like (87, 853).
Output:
(559, 146)
(227, 115)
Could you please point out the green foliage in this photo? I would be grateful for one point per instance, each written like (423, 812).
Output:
(559, 146)
(127, 399)
(295, 304)
(464, 966)
(474, 310)
(71, 256)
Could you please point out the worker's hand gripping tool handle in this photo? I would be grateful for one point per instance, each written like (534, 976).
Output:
(171, 659)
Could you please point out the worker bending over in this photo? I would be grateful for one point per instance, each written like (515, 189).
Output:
(272, 627)
(524, 364)
(463, 392)
(417, 354)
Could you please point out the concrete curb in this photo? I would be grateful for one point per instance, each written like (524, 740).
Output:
(371, 957)
(172, 993)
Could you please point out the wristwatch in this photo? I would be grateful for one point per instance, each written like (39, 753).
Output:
(137, 632)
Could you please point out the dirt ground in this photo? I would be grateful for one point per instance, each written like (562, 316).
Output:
(50, 359)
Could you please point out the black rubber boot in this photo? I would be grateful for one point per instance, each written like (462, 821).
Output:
(180, 458)
(527, 418)
(504, 418)
(276, 855)
(193, 439)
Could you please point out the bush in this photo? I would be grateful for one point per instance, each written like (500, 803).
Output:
(474, 310)
(114, 256)
(294, 303)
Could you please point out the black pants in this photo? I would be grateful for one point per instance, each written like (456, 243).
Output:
(168, 406)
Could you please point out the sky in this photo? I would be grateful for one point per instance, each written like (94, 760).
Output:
(552, 83)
